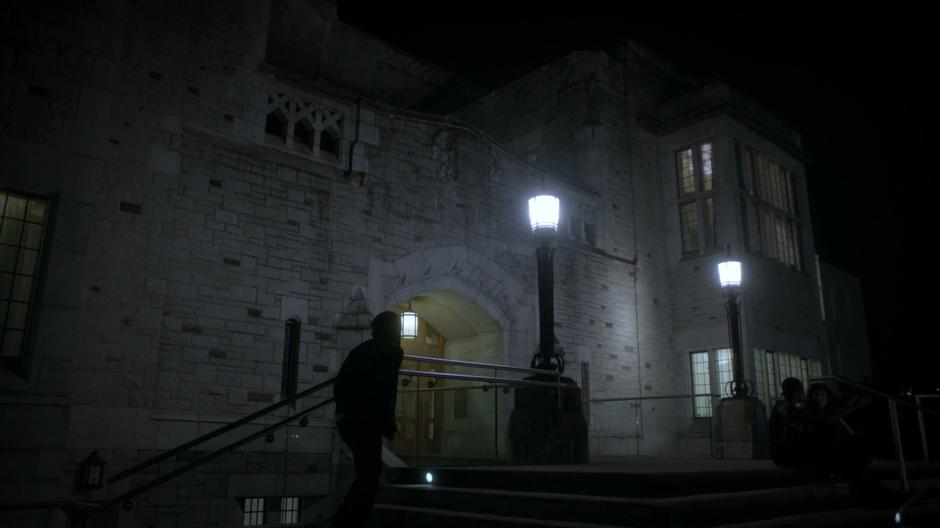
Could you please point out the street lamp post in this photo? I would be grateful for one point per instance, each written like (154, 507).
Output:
(729, 275)
(740, 425)
(547, 423)
(543, 217)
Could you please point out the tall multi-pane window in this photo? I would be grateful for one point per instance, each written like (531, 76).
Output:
(22, 228)
(701, 384)
(254, 511)
(697, 198)
(712, 371)
(772, 368)
(290, 510)
(769, 206)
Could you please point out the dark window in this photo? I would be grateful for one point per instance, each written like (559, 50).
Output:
(275, 126)
(291, 358)
(329, 141)
(23, 221)
(303, 136)
(590, 234)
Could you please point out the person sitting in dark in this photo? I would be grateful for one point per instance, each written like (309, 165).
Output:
(787, 421)
(834, 447)
(813, 434)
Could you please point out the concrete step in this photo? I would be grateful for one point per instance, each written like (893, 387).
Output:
(390, 515)
(692, 510)
(609, 484)
(854, 517)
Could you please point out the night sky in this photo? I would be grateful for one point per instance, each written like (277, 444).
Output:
(854, 83)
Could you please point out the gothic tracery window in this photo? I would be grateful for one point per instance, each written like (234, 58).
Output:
(304, 127)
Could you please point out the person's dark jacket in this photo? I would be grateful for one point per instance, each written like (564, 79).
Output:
(367, 386)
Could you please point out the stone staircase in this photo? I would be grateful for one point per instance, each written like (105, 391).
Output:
(592, 496)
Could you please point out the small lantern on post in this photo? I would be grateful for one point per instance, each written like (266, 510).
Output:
(409, 324)
(91, 472)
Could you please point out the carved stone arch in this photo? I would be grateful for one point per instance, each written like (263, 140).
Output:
(471, 275)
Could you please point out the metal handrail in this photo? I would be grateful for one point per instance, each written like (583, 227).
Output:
(874, 392)
(209, 457)
(96, 508)
(473, 377)
(306, 392)
(920, 422)
(893, 413)
(220, 431)
(664, 397)
(271, 428)
(488, 366)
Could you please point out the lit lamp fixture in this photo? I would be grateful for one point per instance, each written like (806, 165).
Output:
(729, 276)
(543, 214)
(544, 211)
(91, 472)
(409, 323)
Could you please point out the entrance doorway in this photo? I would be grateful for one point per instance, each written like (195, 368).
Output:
(419, 412)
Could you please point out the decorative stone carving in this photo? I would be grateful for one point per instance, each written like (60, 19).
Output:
(443, 151)
(494, 169)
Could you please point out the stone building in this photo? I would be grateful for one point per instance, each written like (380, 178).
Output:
(202, 200)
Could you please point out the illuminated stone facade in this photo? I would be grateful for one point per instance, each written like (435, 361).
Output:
(206, 186)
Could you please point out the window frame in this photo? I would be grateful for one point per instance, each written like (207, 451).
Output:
(707, 233)
(254, 516)
(294, 511)
(718, 377)
(761, 212)
(21, 365)
(782, 365)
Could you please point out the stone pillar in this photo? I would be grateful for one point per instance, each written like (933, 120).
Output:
(545, 428)
(740, 429)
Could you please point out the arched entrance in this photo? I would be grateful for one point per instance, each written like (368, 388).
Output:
(419, 408)
(482, 312)
(451, 419)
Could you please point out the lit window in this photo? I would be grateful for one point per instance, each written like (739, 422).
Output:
(22, 229)
(769, 207)
(290, 510)
(701, 384)
(772, 368)
(712, 372)
(697, 198)
(254, 511)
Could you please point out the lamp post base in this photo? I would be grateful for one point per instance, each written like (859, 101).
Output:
(548, 428)
(740, 429)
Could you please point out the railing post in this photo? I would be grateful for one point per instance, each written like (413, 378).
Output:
(495, 418)
(636, 426)
(898, 448)
(923, 430)
(711, 432)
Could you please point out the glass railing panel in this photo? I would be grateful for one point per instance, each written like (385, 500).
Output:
(650, 426)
